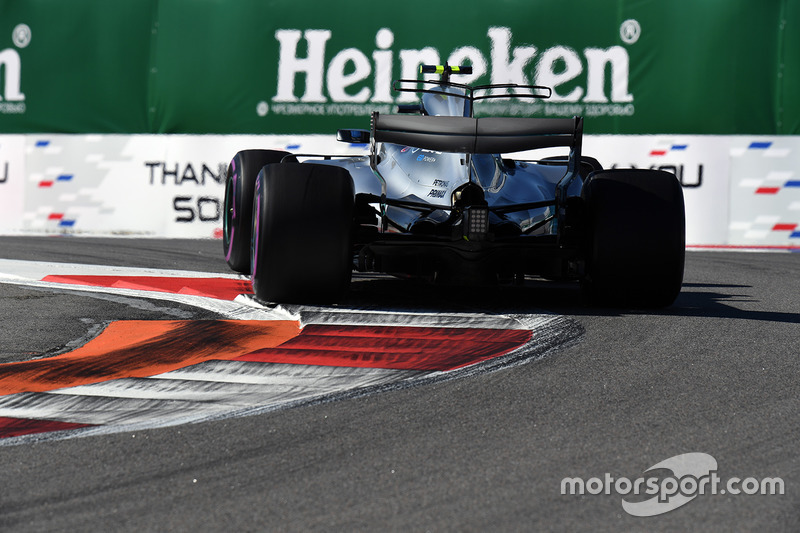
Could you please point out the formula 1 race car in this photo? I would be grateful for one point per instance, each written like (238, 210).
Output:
(436, 199)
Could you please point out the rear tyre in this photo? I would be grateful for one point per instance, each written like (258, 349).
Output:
(302, 249)
(635, 238)
(237, 220)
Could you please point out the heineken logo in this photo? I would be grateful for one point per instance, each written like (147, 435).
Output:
(12, 100)
(313, 79)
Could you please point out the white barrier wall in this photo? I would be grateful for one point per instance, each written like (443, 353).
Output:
(150, 185)
(739, 190)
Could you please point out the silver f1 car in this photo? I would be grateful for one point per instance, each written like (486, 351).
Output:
(438, 199)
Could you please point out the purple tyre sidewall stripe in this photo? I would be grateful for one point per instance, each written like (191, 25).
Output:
(254, 238)
(232, 229)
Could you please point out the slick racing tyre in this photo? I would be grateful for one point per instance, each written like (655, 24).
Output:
(236, 221)
(635, 238)
(302, 233)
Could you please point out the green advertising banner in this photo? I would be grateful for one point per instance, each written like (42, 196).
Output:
(280, 66)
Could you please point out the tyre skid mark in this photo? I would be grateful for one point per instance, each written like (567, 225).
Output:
(154, 402)
(145, 374)
(106, 389)
(140, 348)
(405, 348)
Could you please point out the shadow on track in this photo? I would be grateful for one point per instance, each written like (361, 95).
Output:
(707, 300)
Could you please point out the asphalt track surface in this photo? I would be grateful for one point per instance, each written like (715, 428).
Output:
(716, 373)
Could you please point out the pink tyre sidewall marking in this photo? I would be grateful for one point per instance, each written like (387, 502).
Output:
(233, 216)
(254, 242)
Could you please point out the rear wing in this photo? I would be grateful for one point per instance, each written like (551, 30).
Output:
(486, 135)
(489, 135)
